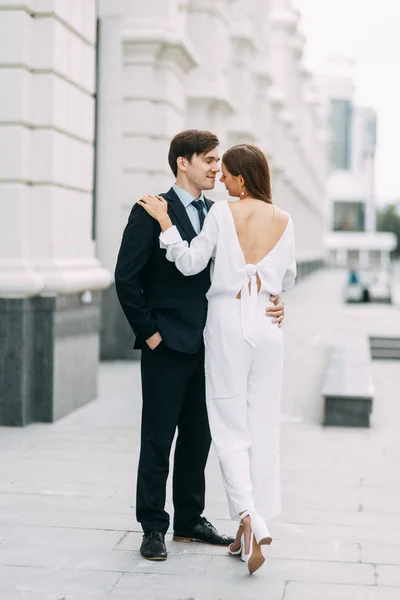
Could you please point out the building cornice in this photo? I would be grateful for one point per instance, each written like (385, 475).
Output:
(262, 73)
(211, 93)
(276, 96)
(286, 19)
(18, 279)
(215, 8)
(287, 117)
(297, 44)
(69, 277)
(26, 279)
(242, 37)
(243, 132)
(158, 44)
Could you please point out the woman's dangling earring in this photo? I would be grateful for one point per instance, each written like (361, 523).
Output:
(241, 191)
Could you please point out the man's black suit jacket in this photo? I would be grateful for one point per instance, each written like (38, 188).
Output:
(153, 294)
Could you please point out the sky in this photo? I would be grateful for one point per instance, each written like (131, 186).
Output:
(367, 31)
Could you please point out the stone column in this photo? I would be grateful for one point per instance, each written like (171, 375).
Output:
(279, 24)
(311, 122)
(158, 57)
(49, 275)
(262, 113)
(109, 164)
(209, 104)
(283, 21)
(297, 44)
(262, 110)
(242, 79)
(298, 180)
(144, 67)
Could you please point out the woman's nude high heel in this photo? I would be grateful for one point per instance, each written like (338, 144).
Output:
(259, 536)
(237, 552)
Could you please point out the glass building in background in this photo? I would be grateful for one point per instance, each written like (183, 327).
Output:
(340, 123)
(350, 216)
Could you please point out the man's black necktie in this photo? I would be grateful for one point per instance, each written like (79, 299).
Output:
(200, 206)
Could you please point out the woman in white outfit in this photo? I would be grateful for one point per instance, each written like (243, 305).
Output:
(251, 245)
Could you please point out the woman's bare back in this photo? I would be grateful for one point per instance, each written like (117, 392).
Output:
(259, 227)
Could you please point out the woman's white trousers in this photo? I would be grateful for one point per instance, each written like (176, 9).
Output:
(243, 383)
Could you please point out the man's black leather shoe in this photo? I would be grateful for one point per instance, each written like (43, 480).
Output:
(203, 532)
(153, 546)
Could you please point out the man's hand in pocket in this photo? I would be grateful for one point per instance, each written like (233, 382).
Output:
(154, 341)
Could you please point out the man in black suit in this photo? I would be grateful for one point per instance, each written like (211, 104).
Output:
(167, 312)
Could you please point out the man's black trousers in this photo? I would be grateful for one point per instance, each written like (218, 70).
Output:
(173, 389)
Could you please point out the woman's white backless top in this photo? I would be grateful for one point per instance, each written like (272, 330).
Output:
(230, 274)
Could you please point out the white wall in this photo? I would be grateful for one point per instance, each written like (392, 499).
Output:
(47, 57)
(164, 66)
(231, 66)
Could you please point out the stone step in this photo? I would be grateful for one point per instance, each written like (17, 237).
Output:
(384, 342)
(385, 347)
(385, 353)
(348, 388)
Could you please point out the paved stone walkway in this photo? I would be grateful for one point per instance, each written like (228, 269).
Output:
(67, 528)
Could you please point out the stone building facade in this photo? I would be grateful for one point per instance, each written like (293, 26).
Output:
(92, 94)
(232, 66)
(48, 326)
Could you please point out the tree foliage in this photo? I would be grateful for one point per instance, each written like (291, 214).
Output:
(389, 220)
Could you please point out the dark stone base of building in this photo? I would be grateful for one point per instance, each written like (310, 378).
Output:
(347, 412)
(116, 336)
(307, 267)
(49, 352)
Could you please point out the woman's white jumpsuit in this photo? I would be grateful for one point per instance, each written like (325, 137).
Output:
(243, 360)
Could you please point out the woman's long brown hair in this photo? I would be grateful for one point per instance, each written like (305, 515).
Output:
(251, 163)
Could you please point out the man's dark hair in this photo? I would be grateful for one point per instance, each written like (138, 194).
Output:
(190, 142)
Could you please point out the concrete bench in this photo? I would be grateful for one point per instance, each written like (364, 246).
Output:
(385, 347)
(348, 389)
